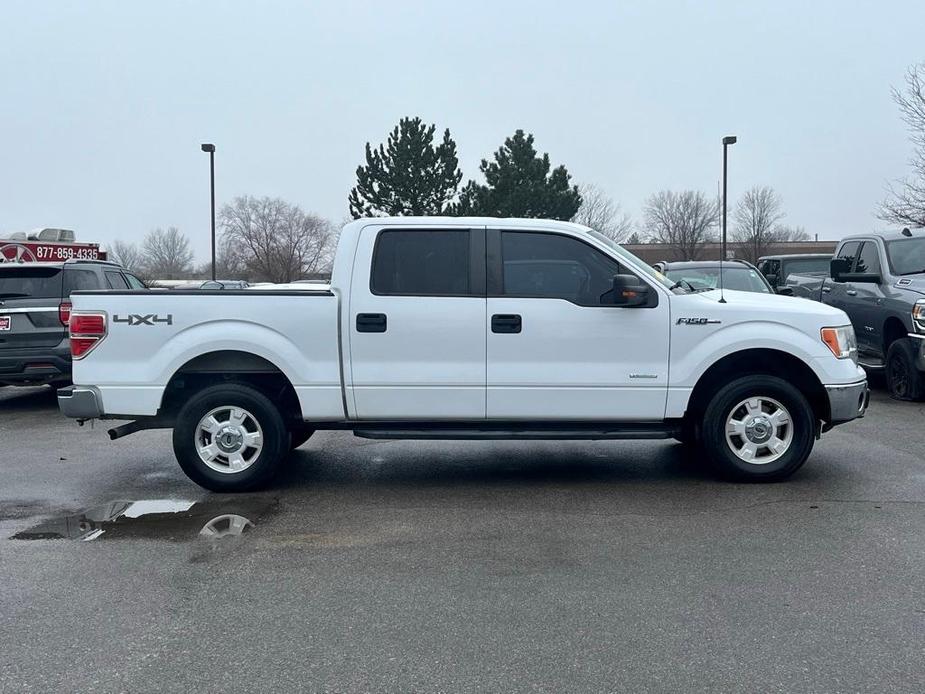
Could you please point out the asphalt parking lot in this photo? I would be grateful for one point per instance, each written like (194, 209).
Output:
(432, 566)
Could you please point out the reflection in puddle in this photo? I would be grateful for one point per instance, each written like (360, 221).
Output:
(167, 519)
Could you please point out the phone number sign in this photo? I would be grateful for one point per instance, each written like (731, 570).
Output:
(37, 252)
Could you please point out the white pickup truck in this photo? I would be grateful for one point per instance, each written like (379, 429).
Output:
(466, 328)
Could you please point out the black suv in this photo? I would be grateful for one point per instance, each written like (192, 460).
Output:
(34, 312)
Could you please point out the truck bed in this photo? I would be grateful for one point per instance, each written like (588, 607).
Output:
(158, 332)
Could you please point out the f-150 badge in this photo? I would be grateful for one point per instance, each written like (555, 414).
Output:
(696, 321)
(138, 319)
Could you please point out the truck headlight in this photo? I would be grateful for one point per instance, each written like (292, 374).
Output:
(841, 341)
(918, 315)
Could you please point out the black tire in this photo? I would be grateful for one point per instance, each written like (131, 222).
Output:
(299, 435)
(903, 379)
(723, 405)
(275, 438)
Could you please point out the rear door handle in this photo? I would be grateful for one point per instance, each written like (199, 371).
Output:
(506, 323)
(371, 323)
(851, 292)
(826, 290)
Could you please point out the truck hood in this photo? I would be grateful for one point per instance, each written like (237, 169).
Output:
(913, 283)
(740, 305)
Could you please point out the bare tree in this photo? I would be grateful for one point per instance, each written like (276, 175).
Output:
(601, 213)
(684, 221)
(274, 240)
(788, 234)
(905, 202)
(167, 254)
(128, 256)
(756, 219)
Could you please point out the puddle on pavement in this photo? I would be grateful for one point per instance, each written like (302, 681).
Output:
(174, 520)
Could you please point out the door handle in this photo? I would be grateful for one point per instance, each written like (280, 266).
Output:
(826, 289)
(506, 323)
(851, 292)
(371, 322)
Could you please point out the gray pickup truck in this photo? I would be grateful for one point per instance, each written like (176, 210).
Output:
(878, 279)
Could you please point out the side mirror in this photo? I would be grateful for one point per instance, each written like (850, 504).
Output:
(772, 279)
(865, 277)
(839, 267)
(628, 291)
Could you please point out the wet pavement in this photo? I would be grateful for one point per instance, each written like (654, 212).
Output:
(459, 566)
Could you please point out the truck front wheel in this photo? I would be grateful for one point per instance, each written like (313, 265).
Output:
(758, 428)
(230, 438)
(902, 376)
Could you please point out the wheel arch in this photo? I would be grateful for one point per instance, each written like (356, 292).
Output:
(760, 361)
(230, 366)
(893, 329)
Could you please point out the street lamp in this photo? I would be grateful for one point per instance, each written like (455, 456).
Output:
(728, 140)
(210, 148)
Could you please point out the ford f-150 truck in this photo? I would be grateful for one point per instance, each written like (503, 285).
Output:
(466, 328)
(878, 280)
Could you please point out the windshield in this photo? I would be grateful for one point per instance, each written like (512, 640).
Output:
(740, 278)
(621, 252)
(907, 256)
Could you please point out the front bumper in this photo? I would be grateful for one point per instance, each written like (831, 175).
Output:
(80, 402)
(847, 402)
(919, 341)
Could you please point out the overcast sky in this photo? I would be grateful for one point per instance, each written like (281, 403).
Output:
(103, 105)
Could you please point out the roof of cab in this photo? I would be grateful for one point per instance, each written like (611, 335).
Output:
(493, 222)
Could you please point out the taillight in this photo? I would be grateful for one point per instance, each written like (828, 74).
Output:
(86, 330)
(64, 312)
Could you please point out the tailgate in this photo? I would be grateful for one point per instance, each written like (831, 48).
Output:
(29, 302)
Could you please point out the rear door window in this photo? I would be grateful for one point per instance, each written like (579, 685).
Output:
(32, 282)
(77, 279)
(134, 282)
(421, 263)
(115, 280)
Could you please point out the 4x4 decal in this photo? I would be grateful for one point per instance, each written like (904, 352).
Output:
(138, 319)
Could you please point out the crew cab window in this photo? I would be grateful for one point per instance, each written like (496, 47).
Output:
(79, 280)
(421, 263)
(850, 253)
(115, 280)
(869, 259)
(536, 264)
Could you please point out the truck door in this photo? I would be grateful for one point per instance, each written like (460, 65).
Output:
(835, 293)
(864, 300)
(416, 315)
(555, 349)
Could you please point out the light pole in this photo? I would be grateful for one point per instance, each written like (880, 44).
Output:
(210, 148)
(728, 140)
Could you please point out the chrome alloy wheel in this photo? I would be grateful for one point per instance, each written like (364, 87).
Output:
(759, 430)
(228, 439)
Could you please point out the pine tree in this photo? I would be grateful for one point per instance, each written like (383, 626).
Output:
(408, 175)
(518, 183)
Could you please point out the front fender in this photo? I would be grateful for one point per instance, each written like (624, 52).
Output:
(693, 352)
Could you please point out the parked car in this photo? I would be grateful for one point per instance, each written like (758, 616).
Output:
(704, 274)
(879, 281)
(466, 328)
(34, 313)
(777, 268)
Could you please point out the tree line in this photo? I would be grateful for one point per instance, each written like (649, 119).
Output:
(415, 173)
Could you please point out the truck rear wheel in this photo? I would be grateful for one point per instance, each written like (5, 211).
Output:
(903, 379)
(758, 428)
(230, 438)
